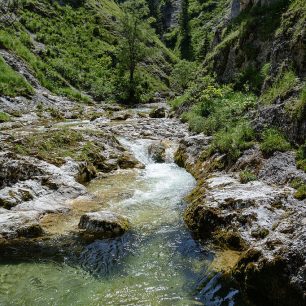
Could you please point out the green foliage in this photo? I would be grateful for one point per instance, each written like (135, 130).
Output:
(11, 83)
(4, 117)
(272, 141)
(249, 79)
(20, 43)
(247, 176)
(76, 48)
(216, 108)
(132, 50)
(297, 108)
(301, 157)
(293, 22)
(182, 74)
(233, 141)
(279, 90)
(185, 36)
(204, 18)
(300, 194)
(221, 112)
(178, 101)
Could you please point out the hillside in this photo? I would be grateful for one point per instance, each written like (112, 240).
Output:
(71, 48)
(153, 152)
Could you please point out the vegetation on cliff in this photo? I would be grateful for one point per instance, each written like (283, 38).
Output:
(243, 73)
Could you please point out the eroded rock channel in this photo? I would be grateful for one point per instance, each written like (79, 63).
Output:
(92, 213)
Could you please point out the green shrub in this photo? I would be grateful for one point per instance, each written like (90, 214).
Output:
(182, 74)
(301, 157)
(247, 176)
(4, 117)
(177, 102)
(273, 140)
(11, 83)
(300, 194)
(196, 122)
(233, 141)
(298, 109)
(280, 88)
(215, 107)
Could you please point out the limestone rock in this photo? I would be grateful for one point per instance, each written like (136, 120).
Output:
(102, 224)
(157, 151)
(121, 115)
(20, 224)
(158, 112)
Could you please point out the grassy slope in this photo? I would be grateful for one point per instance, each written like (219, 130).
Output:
(77, 47)
(11, 83)
(223, 110)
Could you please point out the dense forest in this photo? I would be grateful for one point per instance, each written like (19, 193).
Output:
(100, 97)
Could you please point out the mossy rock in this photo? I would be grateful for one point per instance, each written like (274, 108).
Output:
(266, 281)
(229, 239)
(203, 221)
(300, 194)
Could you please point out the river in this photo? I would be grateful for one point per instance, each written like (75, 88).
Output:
(156, 263)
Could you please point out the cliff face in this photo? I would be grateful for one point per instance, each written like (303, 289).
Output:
(255, 46)
(239, 6)
(262, 32)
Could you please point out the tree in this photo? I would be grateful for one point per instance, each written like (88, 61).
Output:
(185, 44)
(132, 47)
(204, 47)
(182, 74)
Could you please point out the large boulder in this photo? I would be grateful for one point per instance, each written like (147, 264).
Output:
(263, 221)
(102, 224)
(15, 224)
(157, 151)
(158, 112)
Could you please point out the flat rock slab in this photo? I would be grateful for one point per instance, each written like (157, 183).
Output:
(20, 224)
(102, 224)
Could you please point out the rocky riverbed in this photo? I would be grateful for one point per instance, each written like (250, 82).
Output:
(45, 164)
(49, 154)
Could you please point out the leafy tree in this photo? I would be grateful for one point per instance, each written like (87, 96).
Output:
(132, 48)
(182, 74)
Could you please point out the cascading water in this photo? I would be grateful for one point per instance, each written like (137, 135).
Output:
(157, 263)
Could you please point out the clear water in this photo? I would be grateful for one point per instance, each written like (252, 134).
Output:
(157, 263)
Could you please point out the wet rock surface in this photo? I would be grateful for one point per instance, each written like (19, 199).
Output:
(102, 224)
(42, 170)
(157, 151)
(261, 218)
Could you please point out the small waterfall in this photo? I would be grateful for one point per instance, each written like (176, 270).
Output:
(139, 148)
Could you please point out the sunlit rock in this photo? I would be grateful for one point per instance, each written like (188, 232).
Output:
(102, 224)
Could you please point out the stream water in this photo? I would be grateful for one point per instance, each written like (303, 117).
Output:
(157, 263)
